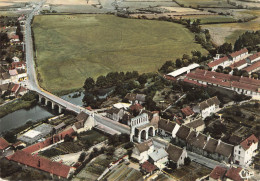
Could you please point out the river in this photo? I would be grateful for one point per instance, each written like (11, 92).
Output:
(20, 117)
(76, 101)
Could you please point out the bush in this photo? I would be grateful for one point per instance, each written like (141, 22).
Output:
(82, 157)
(187, 161)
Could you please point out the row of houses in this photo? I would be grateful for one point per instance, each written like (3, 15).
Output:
(233, 173)
(13, 90)
(247, 63)
(146, 152)
(28, 158)
(243, 85)
(241, 153)
(228, 59)
(15, 75)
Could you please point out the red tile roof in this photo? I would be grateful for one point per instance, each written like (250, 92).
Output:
(194, 82)
(250, 81)
(252, 67)
(148, 167)
(218, 173)
(238, 64)
(137, 107)
(225, 80)
(3, 143)
(245, 86)
(40, 163)
(233, 173)
(217, 62)
(15, 37)
(49, 141)
(15, 88)
(17, 64)
(248, 142)
(254, 56)
(237, 53)
(187, 111)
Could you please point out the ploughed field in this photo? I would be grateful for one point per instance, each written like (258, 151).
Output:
(70, 48)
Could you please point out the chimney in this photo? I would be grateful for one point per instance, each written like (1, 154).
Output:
(219, 141)
(39, 163)
(208, 137)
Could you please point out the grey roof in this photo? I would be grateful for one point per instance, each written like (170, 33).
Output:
(5, 76)
(200, 141)
(192, 137)
(174, 152)
(166, 125)
(44, 130)
(183, 132)
(209, 102)
(82, 116)
(196, 123)
(224, 149)
(140, 97)
(144, 146)
(113, 111)
(158, 154)
(60, 125)
(211, 145)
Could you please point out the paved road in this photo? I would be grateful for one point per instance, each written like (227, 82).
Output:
(33, 83)
(205, 161)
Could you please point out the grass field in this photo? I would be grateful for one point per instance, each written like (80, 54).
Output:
(230, 32)
(71, 48)
(204, 3)
(211, 19)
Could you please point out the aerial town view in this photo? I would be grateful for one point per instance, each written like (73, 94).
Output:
(130, 90)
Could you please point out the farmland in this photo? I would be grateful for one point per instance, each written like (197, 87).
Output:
(70, 48)
(230, 32)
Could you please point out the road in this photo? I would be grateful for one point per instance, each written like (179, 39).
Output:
(33, 83)
(32, 79)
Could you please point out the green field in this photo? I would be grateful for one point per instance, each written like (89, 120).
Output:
(72, 47)
(204, 3)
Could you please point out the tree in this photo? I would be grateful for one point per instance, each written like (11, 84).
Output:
(251, 118)
(89, 83)
(10, 137)
(187, 161)
(68, 138)
(101, 81)
(172, 165)
(142, 79)
(178, 63)
(82, 157)
(88, 99)
(225, 48)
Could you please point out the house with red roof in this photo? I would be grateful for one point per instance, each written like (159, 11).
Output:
(252, 68)
(148, 168)
(217, 174)
(235, 56)
(18, 65)
(254, 58)
(224, 61)
(48, 141)
(245, 151)
(14, 39)
(228, 60)
(3, 145)
(50, 168)
(241, 85)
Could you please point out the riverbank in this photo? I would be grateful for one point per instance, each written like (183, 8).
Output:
(25, 102)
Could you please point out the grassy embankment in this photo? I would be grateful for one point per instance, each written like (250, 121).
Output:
(71, 48)
(25, 102)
